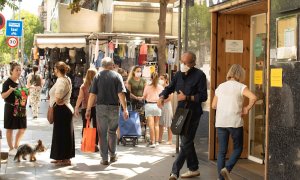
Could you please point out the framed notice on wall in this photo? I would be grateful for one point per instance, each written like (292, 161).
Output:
(234, 46)
(287, 35)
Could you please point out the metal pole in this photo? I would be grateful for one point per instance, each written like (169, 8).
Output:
(179, 54)
(186, 30)
(11, 49)
(19, 38)
(23, 40)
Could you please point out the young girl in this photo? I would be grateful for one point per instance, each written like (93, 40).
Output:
(15, 99)
(152, 111)
(166, 112)
(83, 100)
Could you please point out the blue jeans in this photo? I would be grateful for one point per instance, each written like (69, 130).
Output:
(223, 137)
(187, 149)
(107, 124)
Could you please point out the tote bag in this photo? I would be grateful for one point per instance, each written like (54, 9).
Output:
(181, 121)
(88, 138)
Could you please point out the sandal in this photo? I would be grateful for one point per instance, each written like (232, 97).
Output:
(64, 163)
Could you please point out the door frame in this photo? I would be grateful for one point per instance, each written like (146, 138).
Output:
(250, 157)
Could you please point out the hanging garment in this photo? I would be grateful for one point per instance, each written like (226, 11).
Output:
(142, 59)
(99, 59)
(143, 49)
(96, 48)
(171, 54)
(131, 49)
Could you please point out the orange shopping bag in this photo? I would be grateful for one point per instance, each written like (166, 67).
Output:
(88, 138)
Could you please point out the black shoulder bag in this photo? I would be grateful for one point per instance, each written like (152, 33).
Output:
(181, 120)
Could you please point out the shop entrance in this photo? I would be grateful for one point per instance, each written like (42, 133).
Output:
(239, 37)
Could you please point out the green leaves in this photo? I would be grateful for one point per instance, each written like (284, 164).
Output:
(8, 3)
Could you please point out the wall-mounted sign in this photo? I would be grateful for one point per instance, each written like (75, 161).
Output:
(234, 46)
(258, 77)
(210, 3)
(276, 77)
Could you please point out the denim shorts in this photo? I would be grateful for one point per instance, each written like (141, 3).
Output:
(151, 109)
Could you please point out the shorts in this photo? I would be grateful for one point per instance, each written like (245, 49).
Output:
(151, 109)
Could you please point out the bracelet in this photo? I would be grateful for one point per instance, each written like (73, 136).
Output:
(88, 110)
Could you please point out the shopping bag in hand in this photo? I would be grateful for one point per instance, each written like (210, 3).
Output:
(88, 138)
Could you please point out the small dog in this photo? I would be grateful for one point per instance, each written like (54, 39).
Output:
(26, 149)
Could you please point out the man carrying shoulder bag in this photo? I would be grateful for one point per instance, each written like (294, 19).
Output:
(190, 85)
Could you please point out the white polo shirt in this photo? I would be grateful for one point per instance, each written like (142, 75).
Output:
(230, 104)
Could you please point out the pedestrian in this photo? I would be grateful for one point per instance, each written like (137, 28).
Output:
(152, 111)
(108, 88)
(15, 98)
(228, 102)
(63, 143)
(136, 85)
(166, 112)
(82, 100)
(190, 85)
(35, 83)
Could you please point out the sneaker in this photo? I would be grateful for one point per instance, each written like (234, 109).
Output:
(190, 174)
(151, 145)
(157, 143)
(104, 162)
(224, 172)
(12, 152)
(113, 159)
(173, 177)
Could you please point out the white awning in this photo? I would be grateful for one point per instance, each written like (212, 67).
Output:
(60, 42)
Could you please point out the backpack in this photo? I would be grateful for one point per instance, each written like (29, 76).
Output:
(36, 80)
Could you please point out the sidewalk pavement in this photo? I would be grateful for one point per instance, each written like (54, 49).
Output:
(134, 163)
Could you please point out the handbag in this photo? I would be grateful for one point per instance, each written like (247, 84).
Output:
(181, 121)
(88, 138)
(50, 112)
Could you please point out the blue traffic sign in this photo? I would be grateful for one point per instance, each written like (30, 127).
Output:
(14, 28)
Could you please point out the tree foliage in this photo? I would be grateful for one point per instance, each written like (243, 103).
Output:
(8, 3)
(199, 23)
(32, 25)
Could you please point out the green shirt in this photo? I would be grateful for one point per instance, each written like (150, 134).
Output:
(137, 87)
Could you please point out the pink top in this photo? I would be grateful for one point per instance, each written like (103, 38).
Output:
(143, 49)
(85, 97)
(151, 94)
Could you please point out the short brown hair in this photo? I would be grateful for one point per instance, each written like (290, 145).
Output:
(13, 65)
(62, 67)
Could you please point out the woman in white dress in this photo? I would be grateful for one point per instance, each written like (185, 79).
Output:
(166, 113)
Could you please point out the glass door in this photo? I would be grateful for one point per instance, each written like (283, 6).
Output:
(258, 86)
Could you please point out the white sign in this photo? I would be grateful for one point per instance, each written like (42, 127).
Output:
(234, 46)
(12, 42)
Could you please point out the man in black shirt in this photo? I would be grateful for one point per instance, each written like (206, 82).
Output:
(190, 85)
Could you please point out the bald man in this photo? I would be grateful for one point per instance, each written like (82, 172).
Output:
(190, 85)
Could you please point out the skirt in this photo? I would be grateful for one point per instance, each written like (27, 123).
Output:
(63, 142)
(151, 109)
(166, 115)
(12, 122)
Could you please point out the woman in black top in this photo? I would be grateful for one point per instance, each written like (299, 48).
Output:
(15, 107)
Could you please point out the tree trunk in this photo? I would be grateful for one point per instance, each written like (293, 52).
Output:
(162, 36)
